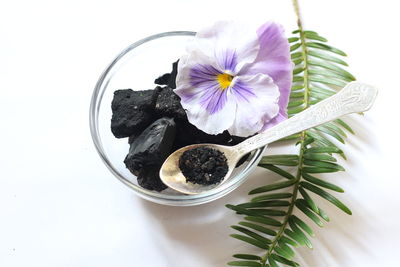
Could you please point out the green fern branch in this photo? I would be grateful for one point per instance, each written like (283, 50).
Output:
(269, 221)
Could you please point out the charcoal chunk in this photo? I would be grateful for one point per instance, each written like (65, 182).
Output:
(188, 134)
(172, 79)
(169, 79)
(132, 138)
(169, 104)
(152, 146)
(163, 79)
(132, 111)
(149, 178)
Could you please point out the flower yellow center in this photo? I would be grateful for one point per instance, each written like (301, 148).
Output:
(224, 80)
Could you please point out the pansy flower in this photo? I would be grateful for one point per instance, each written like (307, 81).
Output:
(235, 79)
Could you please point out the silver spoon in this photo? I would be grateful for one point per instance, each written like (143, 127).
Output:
(354, 97)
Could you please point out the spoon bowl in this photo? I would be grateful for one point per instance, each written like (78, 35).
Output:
(354, 97)
(174, 178)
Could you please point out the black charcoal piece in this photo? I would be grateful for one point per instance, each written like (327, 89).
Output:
(168, 78)
(203, 165)
(172, 79)
(132, 111)
(152, 146)
(149, 178)
(132, 138)
(169, 104)
(188, 134)
(163, 79)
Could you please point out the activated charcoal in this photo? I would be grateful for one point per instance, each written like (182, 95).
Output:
(172, 79)
(149, 178)
(163, 80)
(169, 104)
(157, 124)
(169, 79)
(152, 146)
(203, 165)
(132, 138)
(132, 111)
(188, 134)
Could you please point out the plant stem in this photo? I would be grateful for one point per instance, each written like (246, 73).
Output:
(297, 11)
(302, 138)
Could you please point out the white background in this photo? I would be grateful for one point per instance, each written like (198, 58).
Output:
(60, 206)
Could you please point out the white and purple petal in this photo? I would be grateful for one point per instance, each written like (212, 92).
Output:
(274, 60)
(195, 72)
(256, 98)
(218, 121)
(207, 105)
(220, 41)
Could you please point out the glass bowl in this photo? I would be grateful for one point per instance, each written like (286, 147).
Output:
(136, 67)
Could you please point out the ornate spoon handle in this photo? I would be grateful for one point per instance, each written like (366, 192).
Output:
(354, 97)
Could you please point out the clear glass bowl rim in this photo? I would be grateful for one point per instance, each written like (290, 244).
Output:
(158, 197)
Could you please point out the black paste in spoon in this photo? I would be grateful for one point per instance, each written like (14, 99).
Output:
(203, 165)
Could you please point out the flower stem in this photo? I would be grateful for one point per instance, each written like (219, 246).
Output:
(297, 11)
